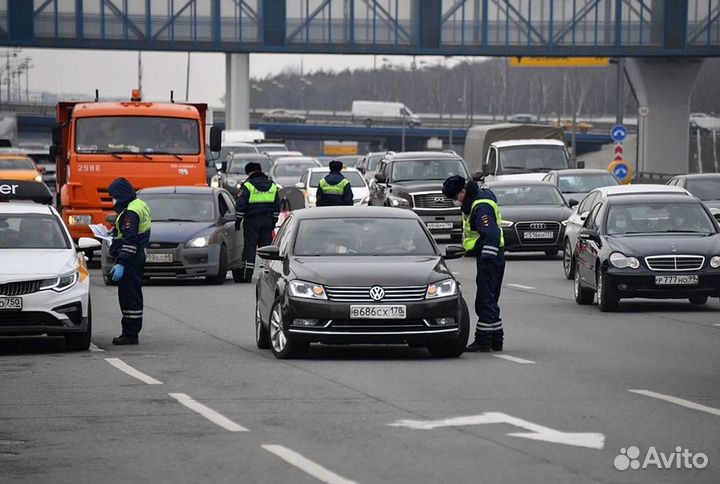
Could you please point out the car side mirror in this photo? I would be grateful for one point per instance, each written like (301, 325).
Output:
(580, 164)
(453, 252)
(40, 169)
(111, 219)
(269, 252)
(87, 243)
(572, 203)
(57, 134)
(584, 215)
(215, 139)
(362, 170)
(486, 170)
(379, 178)
(228, 217)
(588, 234)
(478, 176)
(222, 166)
(300, 185)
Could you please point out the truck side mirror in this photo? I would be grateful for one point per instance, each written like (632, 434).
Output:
(215, 139)
(57, 134)
(486, 170)
(478, 176)
(379, 178)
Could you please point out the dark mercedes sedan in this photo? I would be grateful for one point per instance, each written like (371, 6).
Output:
(649, 246)
(358, 275)
(534, 214)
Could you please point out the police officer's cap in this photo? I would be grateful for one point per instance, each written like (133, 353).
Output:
(453, 185)
(335, 165)
(252, 167)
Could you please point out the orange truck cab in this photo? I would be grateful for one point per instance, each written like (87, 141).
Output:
(149, 143)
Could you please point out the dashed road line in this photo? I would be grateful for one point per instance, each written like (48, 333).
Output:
(306, 465)
(520, 286)
(678, 401)
(96, 349)
(515, 359)
(125, 368)
(208, 413)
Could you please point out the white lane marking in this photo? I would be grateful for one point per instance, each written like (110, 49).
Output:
(125, 368)
(306, 465)
(520, 286)
(208, 413)
(591, 440)
(678, 401)
(515, 359)
(96, 349)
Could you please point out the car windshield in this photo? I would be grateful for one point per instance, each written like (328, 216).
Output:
(296, 168)
(411, 170)
(356, 180)
(16, 164)
(528, 195)
(238, 166)
(173, 207)
(708, 189)
(226, 152)
(583, 183)
(533, 158)
(650, 218)
(31, 231)
(373, 161)
(137, 134)
(362, 237)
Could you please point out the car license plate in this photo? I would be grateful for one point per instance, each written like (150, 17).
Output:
(159, 258)
(676, 280)
(537, 235)
(439, 225)
(10, 303)
(377, 312)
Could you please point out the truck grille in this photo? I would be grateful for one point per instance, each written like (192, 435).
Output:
(19, 288)
(522, 227)
(432, 200)
(104, 195)
(362, 294)
(675, 262)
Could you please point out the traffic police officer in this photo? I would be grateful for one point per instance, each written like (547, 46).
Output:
(130, 238)
(334, 188)
(482, 238)
(258, 204)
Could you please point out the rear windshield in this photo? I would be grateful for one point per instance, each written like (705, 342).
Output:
(16, 164)
(292, 168)
(528, 195)
(355, 178)
(708, 189)
(582, 183)
(31, 231)
(172, 207)
(236, 167)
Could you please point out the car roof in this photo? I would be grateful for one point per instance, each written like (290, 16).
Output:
(696, 176)
(182, 190)
(528, 142)
(249, 156)
(650, 198)
(614, 190)
(421, 155)
(353, 212)
(581, 171)
(294, 159)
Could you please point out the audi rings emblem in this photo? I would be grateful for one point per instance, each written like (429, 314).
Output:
(538, 225)
(439, 199)
(377, 293)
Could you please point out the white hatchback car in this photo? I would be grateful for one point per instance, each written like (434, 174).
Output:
(311, 179)
(44, 281)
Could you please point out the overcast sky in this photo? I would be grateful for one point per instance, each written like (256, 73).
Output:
(114, 73)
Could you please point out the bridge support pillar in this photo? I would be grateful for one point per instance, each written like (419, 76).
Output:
(237, 91)
(662, 88)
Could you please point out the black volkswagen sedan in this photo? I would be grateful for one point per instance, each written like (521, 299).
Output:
(534, 214)
(232, 171)
(649, 246)
(351, 275)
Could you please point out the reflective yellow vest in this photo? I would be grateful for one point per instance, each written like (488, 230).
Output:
(257, 196)
(143, 212)
(470, 237)
(338, 189)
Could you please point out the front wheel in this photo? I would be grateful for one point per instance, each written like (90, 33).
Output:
(456, 347)
(281, 346)
(583, 295)
(698, 300)
(568, 261)
(607, 299)
(262, 337)
(221, 275)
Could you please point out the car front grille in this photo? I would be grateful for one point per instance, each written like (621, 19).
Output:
(104, 196)
(522, 227)
(163, 245)
(432, 200)
(362, 294)
(675, 262)
(19, 288)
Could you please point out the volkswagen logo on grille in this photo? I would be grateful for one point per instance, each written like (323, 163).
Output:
(538, 225)
(439, 199)
(377, 293)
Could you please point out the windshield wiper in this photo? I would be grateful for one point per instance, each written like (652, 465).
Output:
(102, 152)
(174, 220)
(164, 153)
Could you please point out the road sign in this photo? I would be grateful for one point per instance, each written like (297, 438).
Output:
(618, 133)
(618, 149)
(622, 171)
(559, 61)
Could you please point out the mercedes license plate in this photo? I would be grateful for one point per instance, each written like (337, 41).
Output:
(538, 235)
(10, 303)
(676, 280)
(439, 225)
(159, 258)
(377, 312)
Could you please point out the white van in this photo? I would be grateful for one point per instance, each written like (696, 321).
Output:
(383, 112)
(242, 136)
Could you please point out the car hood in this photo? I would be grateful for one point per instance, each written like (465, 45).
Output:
(664, 244)
(522, 213)
(370, 271)
(27, 264)
(416, 186)
(178, 232)
(20, 175)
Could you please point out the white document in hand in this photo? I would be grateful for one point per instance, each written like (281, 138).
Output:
(100, 232)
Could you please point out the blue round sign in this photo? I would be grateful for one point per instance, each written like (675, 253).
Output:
(618, 133)
(620, 171)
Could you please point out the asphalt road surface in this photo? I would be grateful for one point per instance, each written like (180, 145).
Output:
(576, 395)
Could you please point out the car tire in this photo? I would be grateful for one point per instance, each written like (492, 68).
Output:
(568, 261)
(698, 300)
(551, 253)
(281, 346)
(81, 341)
(456, 347)
(583, 295)
(607, 298)
(262, 336)
(220, 277)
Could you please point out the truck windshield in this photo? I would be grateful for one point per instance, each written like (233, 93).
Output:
(523, 159)
(137, 134)
(411, 170)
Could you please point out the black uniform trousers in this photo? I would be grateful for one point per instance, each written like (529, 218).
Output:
(257, 232)
(490, 272)
(130, 294)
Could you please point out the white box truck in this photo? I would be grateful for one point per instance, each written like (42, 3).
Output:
(383, 112)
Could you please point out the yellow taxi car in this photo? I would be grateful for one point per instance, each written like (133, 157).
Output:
(567, 125)
(16, 165)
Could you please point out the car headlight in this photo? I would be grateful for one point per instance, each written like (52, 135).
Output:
(60, 283)
(506, 224)
(307, 290)
(38, 178)
(80, 219)
(620, 261)
(398, 201)
(444, 288)
(715, 262)
(214, 182)
(198, 242)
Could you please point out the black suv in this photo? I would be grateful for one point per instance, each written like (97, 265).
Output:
(414, 180)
